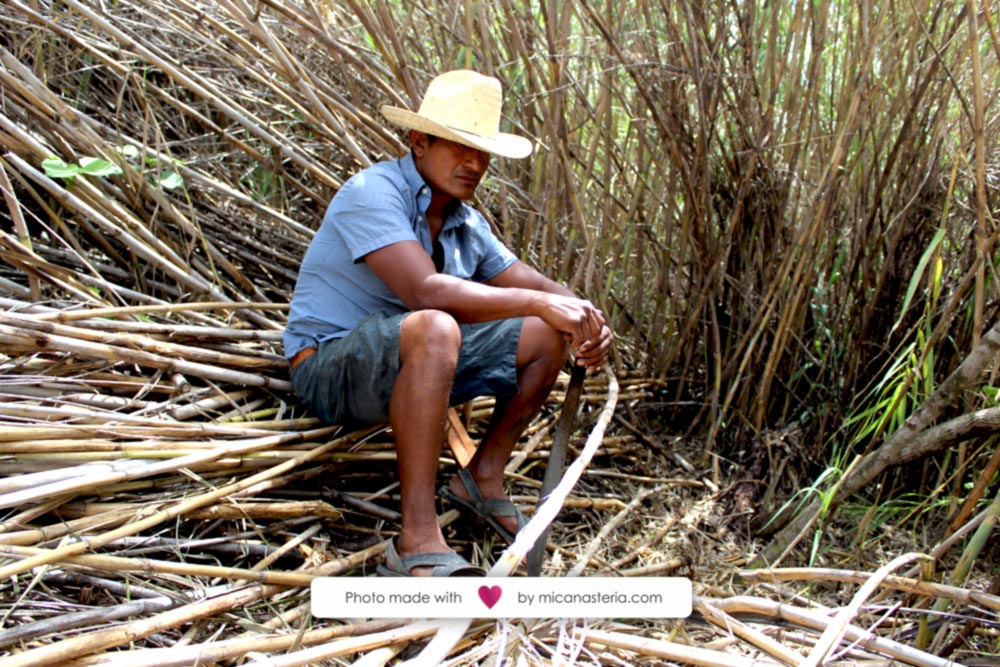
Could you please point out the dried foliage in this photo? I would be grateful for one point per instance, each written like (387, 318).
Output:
(785, 208)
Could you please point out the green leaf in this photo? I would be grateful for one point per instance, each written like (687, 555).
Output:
(95, 166)
(56, 168)
(170, 180)
(128, 151)
(917, 275)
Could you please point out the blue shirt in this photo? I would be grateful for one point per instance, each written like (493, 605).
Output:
(377, 207)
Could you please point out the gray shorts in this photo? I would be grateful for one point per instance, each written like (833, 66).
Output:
(349, 380)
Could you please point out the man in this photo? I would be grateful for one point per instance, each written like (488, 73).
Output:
(406, 303)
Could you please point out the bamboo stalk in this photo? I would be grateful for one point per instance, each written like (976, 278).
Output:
(138, 427)
(237, 598)
(20, 519)
(130, 471)
(70, 621)
(762, 641)
(160, 256)
(14, 206)
(665, 567)
(73, 527)
(288, 546)
(244, 510)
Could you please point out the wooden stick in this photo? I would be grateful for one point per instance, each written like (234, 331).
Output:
(121, 564)
(727, 623)
(575, 502)
(459, 442)
(91, 313)
(646, 544)
(312, 656)
(14, 207)
(690, 655)
(905, 584)
(78, 619)
(76, 646)
(286, 547)
(230, 649)
(817, 621)
(669, 565)
(606, 530)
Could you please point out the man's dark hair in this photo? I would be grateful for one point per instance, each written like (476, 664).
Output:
(431, 138)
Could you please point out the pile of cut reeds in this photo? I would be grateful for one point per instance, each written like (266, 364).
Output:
(165, 495)
(159, 477)
(176, 515)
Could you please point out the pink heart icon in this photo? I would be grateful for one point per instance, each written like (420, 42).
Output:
(490, 595)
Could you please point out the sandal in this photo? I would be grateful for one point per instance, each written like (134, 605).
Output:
(448, 564)
(486, 509)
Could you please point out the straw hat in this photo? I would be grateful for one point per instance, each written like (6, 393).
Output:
(462, 106)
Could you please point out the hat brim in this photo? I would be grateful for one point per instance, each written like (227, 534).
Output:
(502, 144)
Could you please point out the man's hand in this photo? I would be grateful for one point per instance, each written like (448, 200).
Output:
(580, 320)
(594, 353)
(584, 326)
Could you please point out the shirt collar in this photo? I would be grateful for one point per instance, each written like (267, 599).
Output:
(413, 178)
(422, 193)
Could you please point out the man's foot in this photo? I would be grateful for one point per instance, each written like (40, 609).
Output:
(486, 499)
(439, 563)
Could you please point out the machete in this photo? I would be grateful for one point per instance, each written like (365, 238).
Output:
(557, 461)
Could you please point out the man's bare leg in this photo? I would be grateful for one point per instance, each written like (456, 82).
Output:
(429, 345)
(541, 353)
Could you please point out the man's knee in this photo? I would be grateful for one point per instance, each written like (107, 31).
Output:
(541, 343)
(432, 334)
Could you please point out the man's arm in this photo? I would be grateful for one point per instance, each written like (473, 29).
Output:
(521, 275)
(519, 291)
(593, 352)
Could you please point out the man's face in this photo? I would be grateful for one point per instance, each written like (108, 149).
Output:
(449, 167)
